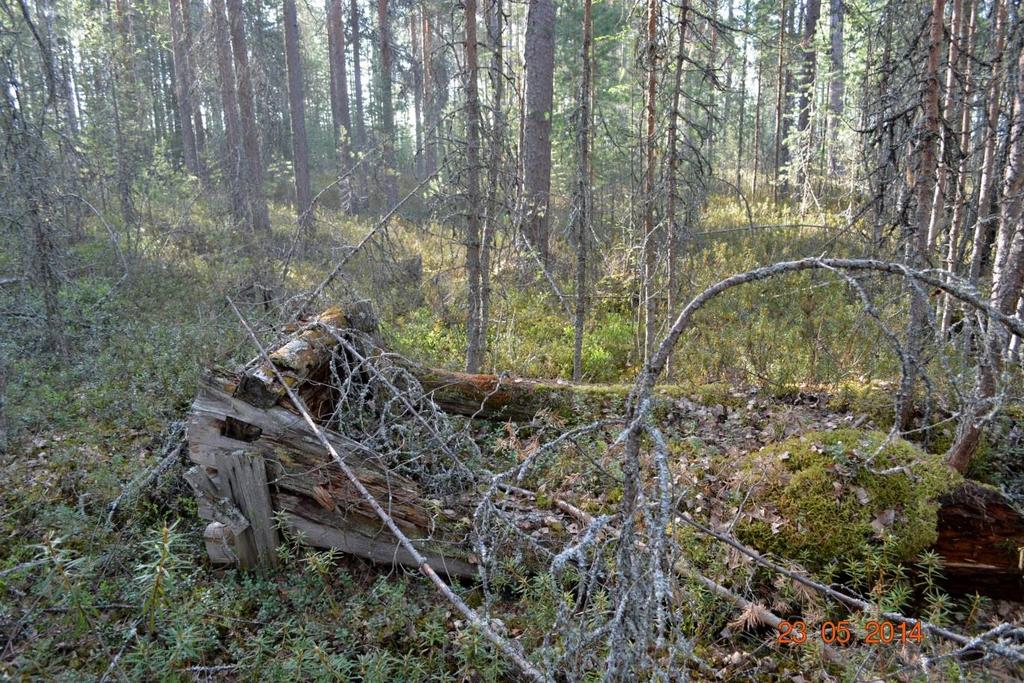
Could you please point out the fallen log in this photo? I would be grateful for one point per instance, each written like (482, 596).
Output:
(981, 542)
(260, 468)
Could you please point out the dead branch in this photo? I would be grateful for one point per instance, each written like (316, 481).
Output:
(524, 665)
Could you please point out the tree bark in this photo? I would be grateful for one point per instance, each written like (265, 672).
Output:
(387, 107)
(808, 72)
(938, 212)
(650, 234)
(474, 326)
(987, 182)
(340, 112)
(837, 84)
(233, 161)
(182, 82)
(429, 98)
(953, 261)
(671, 209)
(583, 193)
(359, 124)
(256, 202)
(780, 92)
(297, 111)
(492, 209)
(917, 239)
(540, 64)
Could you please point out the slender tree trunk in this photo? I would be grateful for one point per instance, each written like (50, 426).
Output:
(340, 113)
(987, 183)
(540, 64)
(256, 202)
(359, 124)
(387, 107)
(417, 94)
(297, 112)
(495, 35)
(917, 240)
(808, 71)
(233, 162)
(473, 322)
(952, 262)
(671, 210)
(780, 91)
(429, 98)
(194, 96)
(1007, 277)
(583, 193)
(182, 81)
(836, 84)
(756, 153)
(938, 213)
(650, 241)
(741, 129)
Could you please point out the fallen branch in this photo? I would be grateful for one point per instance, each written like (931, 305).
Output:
(173, 445)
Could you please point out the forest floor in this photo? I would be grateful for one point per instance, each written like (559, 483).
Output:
(134, 598)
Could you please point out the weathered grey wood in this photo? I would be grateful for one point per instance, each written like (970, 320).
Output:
(244, 478)
(220, 544)
(212, 504)
(383, 550)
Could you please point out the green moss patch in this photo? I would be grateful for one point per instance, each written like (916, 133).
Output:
(835, 496)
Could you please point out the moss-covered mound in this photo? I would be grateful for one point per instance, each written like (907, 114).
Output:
(834, 496)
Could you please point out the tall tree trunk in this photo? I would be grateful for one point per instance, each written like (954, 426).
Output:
(938, 213)
(756, 152)
(387, 107)
(340, 112)
(495, 36)
(256, 202)
(540, 65)
(952, 261)
(233, 162)
(297, 112)
(182, 82)
(741, 129)
(987, 183)
(917, 239)
(583, 193)
(808, 70)
(1007, 276)
(473, 322)
(429, 98)
(671, 209)
(417, 94)
(780, 92)
(194, 96)
(650, 236)
(836, 84)
(359, 124)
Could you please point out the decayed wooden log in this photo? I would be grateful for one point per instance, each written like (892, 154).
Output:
(304, 362)
(259, 466)
(981, 542)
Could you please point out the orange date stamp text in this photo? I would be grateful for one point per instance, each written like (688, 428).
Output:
(842, 633)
